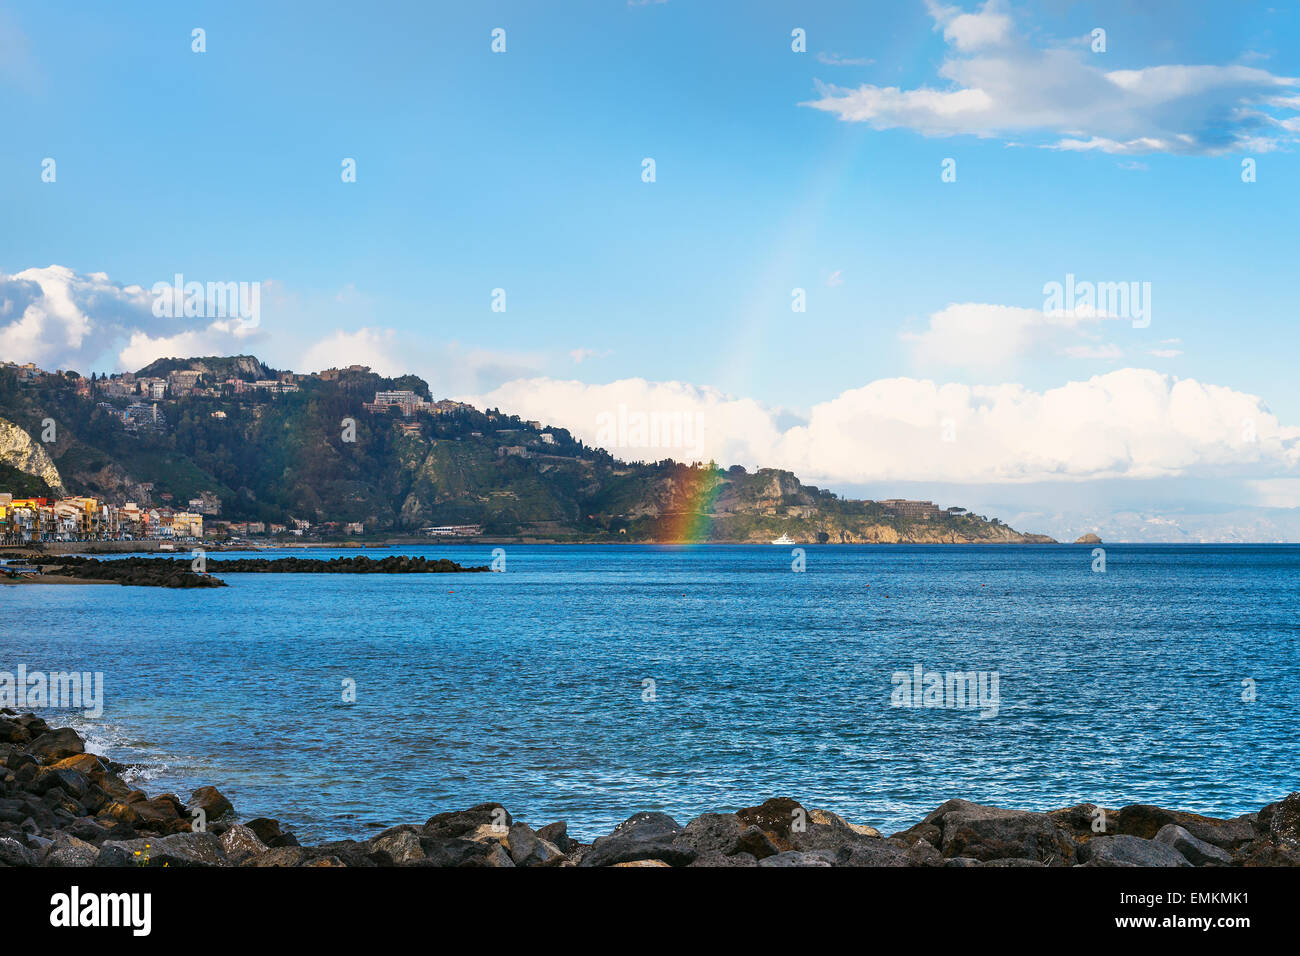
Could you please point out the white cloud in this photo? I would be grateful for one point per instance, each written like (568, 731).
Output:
(1131, 423)
(59, 318)
(1000, 85)
(980, 335)
(970, 31)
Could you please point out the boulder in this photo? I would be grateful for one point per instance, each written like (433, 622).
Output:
(239, 842)
(1145, 821)
(157, 814)
(1284, 822)
(922, 853)
(269, 832)
(276, 856)
(13, 853)
(396, 846)
(876, 853)
(56, 745)
(777, 817)
(823, 830)
(496, 856)
(455, 851)
(347, 852)
(89, 764)
(528, 849)
(756, 843)
(1127, 850)
(642, 836)
(114, 813)
(989, 833)
(928, 832)
(180, 849)
(12, 732)
(481, 822)
(712, 833)
(73, 782)
(1197, 852)
(1082, 820)
(558, 834)
(935, 816)
(211, 801)
(1266, 853)
(70, 851)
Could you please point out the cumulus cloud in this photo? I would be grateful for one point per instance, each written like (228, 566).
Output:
(1062, 97)
(58, 318)
(1130, 423)
(980, 335)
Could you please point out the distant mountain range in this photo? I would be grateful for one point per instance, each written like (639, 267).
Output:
(274, 446)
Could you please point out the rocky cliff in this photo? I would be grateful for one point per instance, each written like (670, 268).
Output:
(19, 451)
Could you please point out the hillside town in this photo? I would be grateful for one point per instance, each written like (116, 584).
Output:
(37, 520)
(25, 521)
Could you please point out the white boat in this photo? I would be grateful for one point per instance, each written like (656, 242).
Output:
(784, 539)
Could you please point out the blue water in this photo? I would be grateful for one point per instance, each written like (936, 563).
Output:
(527, 687)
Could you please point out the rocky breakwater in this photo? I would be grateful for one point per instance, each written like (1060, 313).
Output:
(179, 573)
(61, 806)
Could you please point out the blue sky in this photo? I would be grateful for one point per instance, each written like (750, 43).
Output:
(522, 170)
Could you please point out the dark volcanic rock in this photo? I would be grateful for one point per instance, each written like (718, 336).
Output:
(180, 849)
(211, 801)
(484, 820)
(558, 833)
(712, 833)
(1284, 821)
(56, 745)
(397, 846)
(239, 842)
(62, 807)
(776, 817)
(1145, 821)
(1197, 852)
(528, 849)
(642, 836)
(13, 853)
(988, 833)
(1127, 850)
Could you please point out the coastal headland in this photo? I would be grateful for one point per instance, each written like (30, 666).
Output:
(63, 807)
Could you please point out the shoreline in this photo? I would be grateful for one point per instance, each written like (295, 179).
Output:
(61, 806)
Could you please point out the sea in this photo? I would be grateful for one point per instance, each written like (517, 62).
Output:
(587, 683)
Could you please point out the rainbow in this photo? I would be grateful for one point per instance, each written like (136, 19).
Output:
(699, 490)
